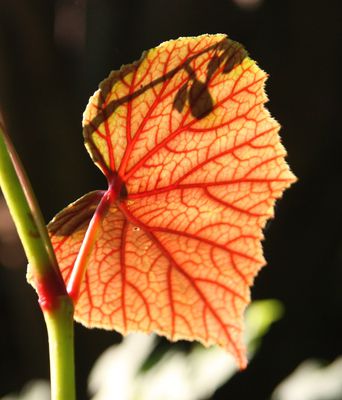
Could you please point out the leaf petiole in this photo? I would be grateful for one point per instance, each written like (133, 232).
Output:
(79, 268)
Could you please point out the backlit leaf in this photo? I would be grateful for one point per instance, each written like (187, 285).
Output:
(194, 165)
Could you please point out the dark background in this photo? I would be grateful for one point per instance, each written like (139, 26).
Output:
(53, 54)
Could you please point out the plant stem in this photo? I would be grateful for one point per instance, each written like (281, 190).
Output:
(44, 273)
(60, 327)
(26, 213)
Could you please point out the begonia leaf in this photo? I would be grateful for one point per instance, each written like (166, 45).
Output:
(194, 165)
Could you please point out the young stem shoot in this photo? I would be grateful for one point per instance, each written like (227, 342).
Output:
(53, 298)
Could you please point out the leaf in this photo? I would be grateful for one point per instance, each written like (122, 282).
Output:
(194, 165)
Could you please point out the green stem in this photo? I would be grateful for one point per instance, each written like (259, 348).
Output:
(25, 211)
(60, 327)
(44, 272)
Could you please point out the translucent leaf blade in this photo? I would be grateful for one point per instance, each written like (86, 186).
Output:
(194, 164)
